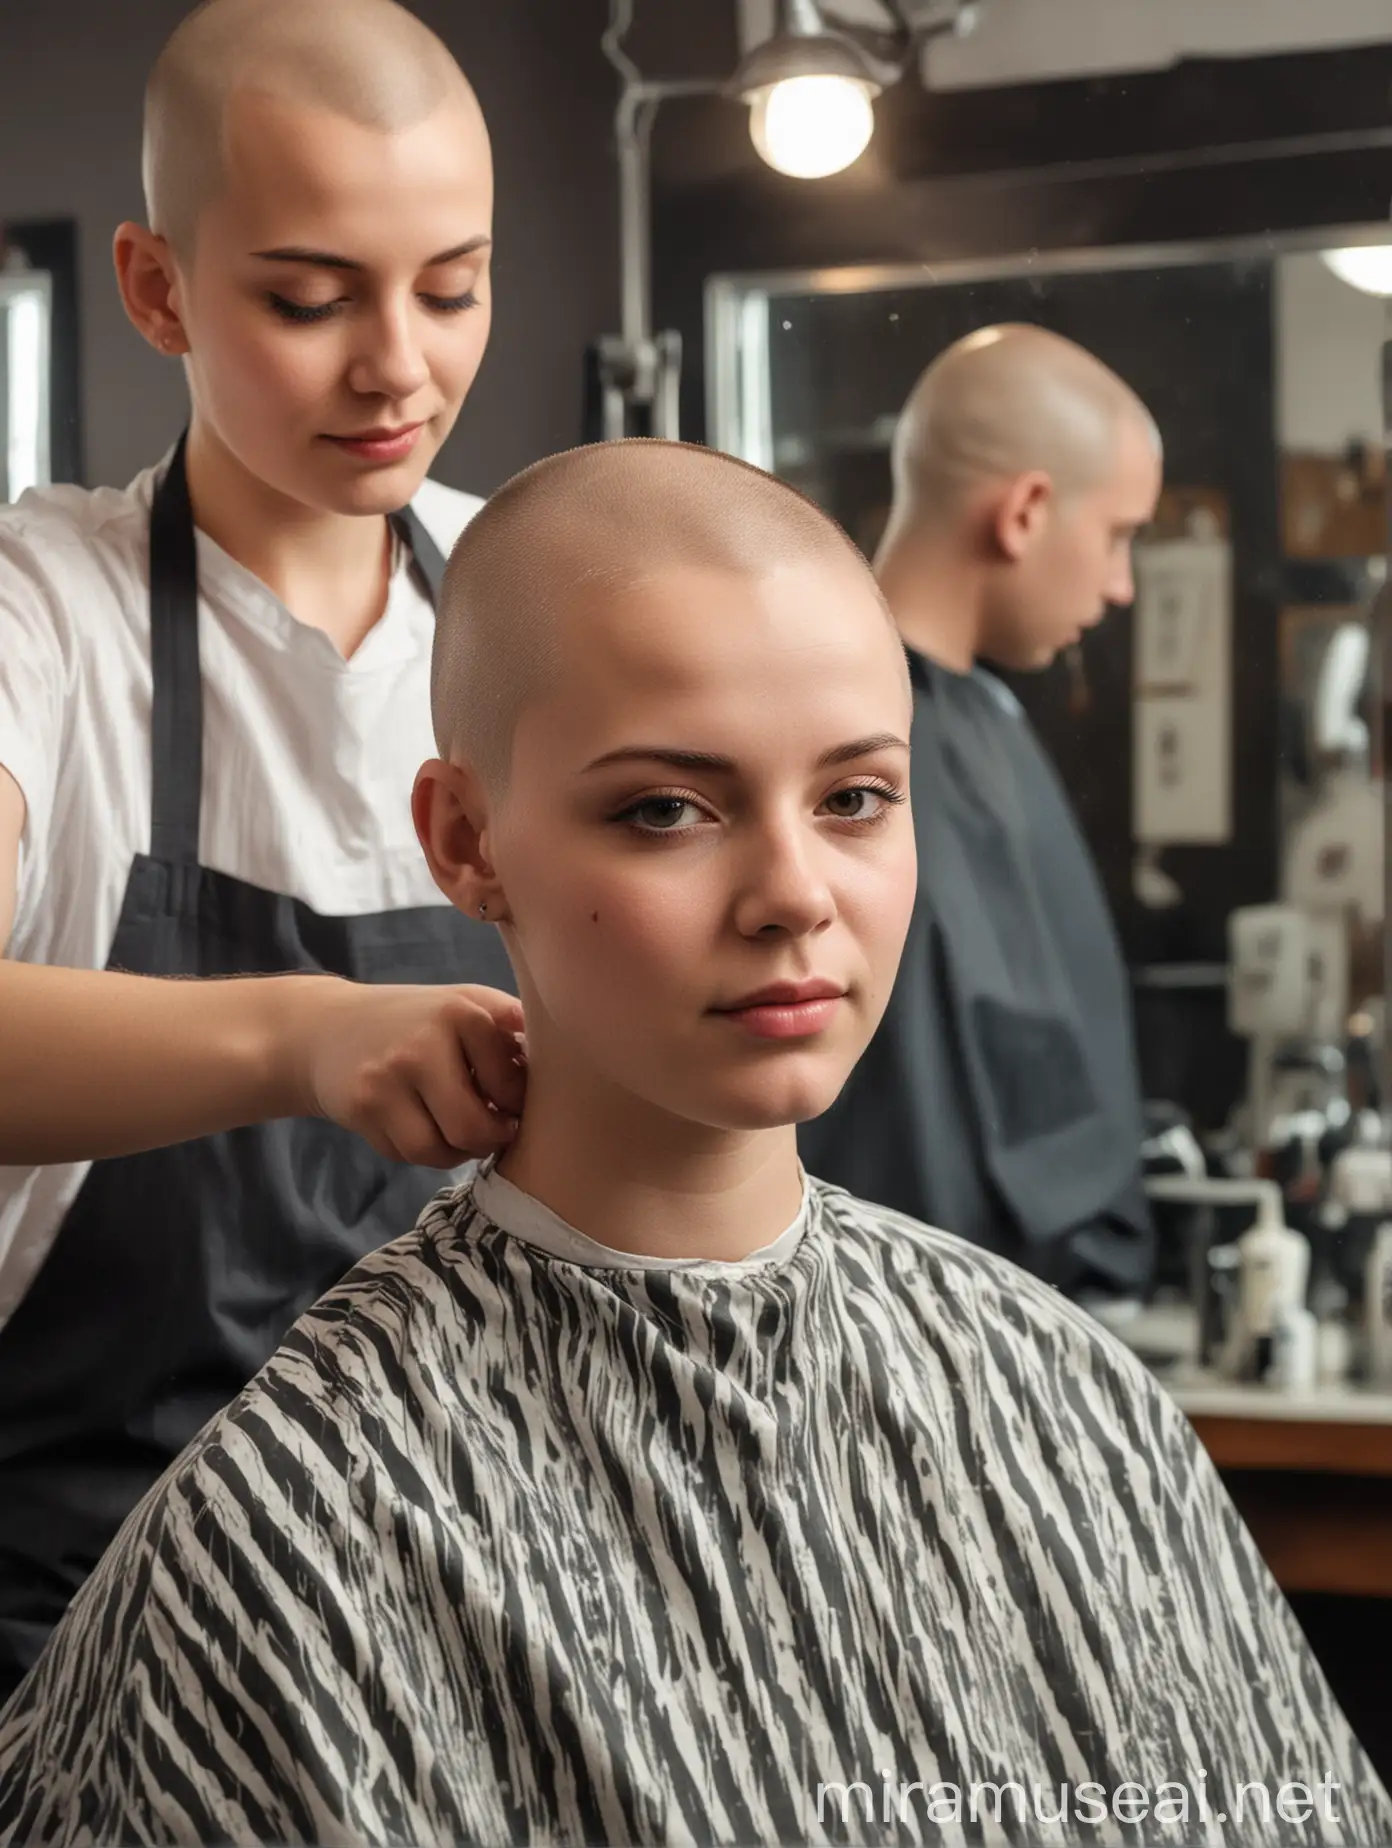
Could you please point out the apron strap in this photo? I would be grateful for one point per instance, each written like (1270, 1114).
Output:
(426, 556)
(176, 715)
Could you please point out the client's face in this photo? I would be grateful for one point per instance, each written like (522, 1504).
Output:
(706, 848)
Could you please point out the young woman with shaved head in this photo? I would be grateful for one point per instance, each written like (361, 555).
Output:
(213, 686)
(650, 1491)
(1001, 1095)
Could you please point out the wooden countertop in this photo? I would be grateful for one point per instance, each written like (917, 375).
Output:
(1309, 1472)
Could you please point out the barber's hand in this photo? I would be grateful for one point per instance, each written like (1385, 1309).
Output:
(431, 1076)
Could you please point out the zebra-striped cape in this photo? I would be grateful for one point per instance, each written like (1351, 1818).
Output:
(505, 1545)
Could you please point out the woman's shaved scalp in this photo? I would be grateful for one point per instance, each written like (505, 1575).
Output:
(370, 61)
(1004, 402)
(595, 520)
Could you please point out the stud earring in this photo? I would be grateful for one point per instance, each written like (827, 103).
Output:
(483, 909)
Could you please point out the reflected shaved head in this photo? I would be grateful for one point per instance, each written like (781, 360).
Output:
(1004, 402)
(1023, 470)
(594, 521)
(370, 61)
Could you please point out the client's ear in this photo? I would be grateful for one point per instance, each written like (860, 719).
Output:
(451, 817)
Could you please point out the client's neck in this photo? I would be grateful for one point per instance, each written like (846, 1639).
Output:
(935, 594)
(642, 1180)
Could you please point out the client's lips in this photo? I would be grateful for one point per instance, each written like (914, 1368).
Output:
(786, 1010)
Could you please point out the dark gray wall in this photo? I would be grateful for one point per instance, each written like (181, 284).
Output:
(71, 77)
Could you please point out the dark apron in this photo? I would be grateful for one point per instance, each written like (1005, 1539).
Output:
(177, 1273)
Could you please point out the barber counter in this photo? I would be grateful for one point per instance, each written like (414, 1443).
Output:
(1311, 1475)
(1311, 1472)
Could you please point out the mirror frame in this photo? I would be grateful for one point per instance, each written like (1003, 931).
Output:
(737, 402)
(19, 287)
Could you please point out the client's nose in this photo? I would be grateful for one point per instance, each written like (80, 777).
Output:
(784, 887)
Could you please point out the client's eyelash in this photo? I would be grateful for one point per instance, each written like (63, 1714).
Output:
(302, 314)
(887, 792)
(628, 816)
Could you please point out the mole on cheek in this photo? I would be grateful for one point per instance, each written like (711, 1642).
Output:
(594, 917)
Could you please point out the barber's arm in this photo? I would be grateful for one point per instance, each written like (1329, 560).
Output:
(95, 1064)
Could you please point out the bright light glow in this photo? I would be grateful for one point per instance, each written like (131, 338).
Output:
(812, 126)
(26, 357)
(1364, 266)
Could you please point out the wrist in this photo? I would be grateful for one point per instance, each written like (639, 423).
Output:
(292, 1012)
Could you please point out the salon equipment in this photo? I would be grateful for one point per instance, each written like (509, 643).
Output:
(1294, 1350)
(1377, 1309)
(1269, 1266)
(1334, 1347)
(806, 85)
(1171, 1148)
(1273, 1275)
(1288, 997)
(1358, 1199)
(1170, 1145)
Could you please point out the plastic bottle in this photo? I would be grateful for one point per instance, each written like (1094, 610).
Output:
(1273, 1273)
(1293, 1350)
(1377, 1308)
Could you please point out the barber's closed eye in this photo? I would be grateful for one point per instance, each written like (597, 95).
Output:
(303, 312)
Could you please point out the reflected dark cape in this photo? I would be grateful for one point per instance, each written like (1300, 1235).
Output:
(1000, 1097)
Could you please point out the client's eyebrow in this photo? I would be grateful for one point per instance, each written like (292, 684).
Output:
(726, 766)
(325, 259)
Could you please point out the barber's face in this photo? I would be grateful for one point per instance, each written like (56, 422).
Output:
(336, 304)
(712, 805)
(1075, 561)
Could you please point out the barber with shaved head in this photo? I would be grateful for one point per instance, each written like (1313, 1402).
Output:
(1000, 1097)
(213, 692)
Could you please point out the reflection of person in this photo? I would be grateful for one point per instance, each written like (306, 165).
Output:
(212, 684)
(525, 1536)
(1001, 1096)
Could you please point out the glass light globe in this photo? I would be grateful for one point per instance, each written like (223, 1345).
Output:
(1367, 267)
(812, 126)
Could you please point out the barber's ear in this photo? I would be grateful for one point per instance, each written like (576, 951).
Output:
(451, 817)
(149, 285)
(1022, 513)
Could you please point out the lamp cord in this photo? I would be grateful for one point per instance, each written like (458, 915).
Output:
(620, 25)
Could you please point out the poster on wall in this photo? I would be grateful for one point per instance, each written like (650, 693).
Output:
(1182, 749)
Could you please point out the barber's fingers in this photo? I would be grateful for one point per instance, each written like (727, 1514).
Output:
(460, 1105)
(504, 1010)
(414, 1070)
(406, 1128)
(493, 1052)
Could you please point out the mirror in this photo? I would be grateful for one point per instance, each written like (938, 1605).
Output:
(26, 320)
(1222, 744)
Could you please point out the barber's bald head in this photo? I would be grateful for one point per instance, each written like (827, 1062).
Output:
(589, 522)
(1004, 402)
(368, 61)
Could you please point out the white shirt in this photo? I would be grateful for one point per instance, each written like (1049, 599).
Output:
(308, 759)
(527, 1219)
